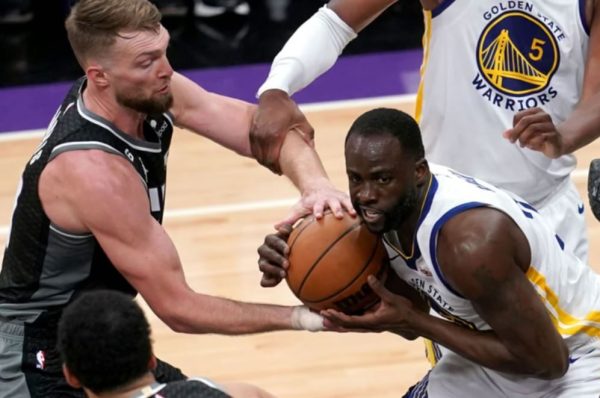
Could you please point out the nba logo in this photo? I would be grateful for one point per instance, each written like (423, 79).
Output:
(40, 358)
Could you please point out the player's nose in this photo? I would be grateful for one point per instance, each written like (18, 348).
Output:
(367, 194)
(165, 68)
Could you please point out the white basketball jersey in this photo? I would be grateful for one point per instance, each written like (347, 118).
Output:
(483, 62)
(569, 289)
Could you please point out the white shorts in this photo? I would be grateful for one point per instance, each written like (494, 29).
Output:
(456, 377)
(564, 211)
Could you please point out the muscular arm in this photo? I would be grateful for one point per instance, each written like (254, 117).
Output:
(535, 128)
(582, 126)
(222, 119)
(227, 121)
(484, 255)
(138, 245)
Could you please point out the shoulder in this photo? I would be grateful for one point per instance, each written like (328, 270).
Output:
(478, 231)
(479, 242)
(91, 171)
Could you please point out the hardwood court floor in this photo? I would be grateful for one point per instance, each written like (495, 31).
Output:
(220, 206)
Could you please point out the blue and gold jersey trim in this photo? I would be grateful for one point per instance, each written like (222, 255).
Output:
(415, 252)
(426, 48)
(441, 7)
(565, 323)
(584, 23)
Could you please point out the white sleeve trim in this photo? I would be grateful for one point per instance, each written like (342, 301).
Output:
(310, 52)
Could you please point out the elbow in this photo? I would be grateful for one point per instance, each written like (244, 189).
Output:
(168, 313)
(554, 366)
(176, 324)
(555, 370)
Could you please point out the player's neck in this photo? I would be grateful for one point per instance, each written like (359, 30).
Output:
(407, 231)
(125, 119)
(128, 391)
(430, 4)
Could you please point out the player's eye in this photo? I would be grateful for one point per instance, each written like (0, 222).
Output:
(146, 63)
(383, 180)
(353, 178)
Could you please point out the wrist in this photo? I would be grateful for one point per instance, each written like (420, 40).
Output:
(416, 323)
(567, 144)
(273, 94)
(302, 318)
(315, 183)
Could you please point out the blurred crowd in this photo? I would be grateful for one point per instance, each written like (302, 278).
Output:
(22, 11)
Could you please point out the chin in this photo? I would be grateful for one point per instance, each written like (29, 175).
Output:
(376, 229)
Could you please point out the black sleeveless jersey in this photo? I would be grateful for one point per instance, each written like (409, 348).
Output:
(191, 388)
(45, 267)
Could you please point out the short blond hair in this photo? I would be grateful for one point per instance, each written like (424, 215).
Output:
(93, 25)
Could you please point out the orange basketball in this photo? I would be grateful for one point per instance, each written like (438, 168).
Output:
(330, 261)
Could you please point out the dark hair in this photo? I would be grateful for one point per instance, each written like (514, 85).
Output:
(392, 121)
(104, 339)
(93, 25)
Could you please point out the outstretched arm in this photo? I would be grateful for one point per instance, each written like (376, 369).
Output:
(227, 121)
(535, 129)
(140, 248)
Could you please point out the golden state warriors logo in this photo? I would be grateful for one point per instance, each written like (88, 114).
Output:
(517, 54)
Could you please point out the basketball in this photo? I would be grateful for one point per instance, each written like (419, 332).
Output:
(330, 260)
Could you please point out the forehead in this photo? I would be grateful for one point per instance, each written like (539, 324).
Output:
(374, 149)
(141, 41)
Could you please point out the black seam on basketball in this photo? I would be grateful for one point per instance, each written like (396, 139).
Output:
(303, 226)
(377, 243)
(323, 253)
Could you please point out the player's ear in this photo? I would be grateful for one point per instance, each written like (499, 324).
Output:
(70, 377)
(421, 171)
(152, 363)
(96, 74)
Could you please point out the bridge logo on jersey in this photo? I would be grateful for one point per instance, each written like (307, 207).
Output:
(517, 54)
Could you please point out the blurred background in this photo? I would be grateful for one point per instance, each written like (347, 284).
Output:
(224, 45)
(205, 33)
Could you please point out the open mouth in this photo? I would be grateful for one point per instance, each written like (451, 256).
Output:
(164, 89)
(370, 215)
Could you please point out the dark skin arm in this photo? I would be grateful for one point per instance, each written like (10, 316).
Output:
(484, 256)
(411, 298)
(535, 129)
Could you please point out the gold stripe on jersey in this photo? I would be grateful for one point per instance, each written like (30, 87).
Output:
(430, 352)
(565, 323)
(426, 45)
